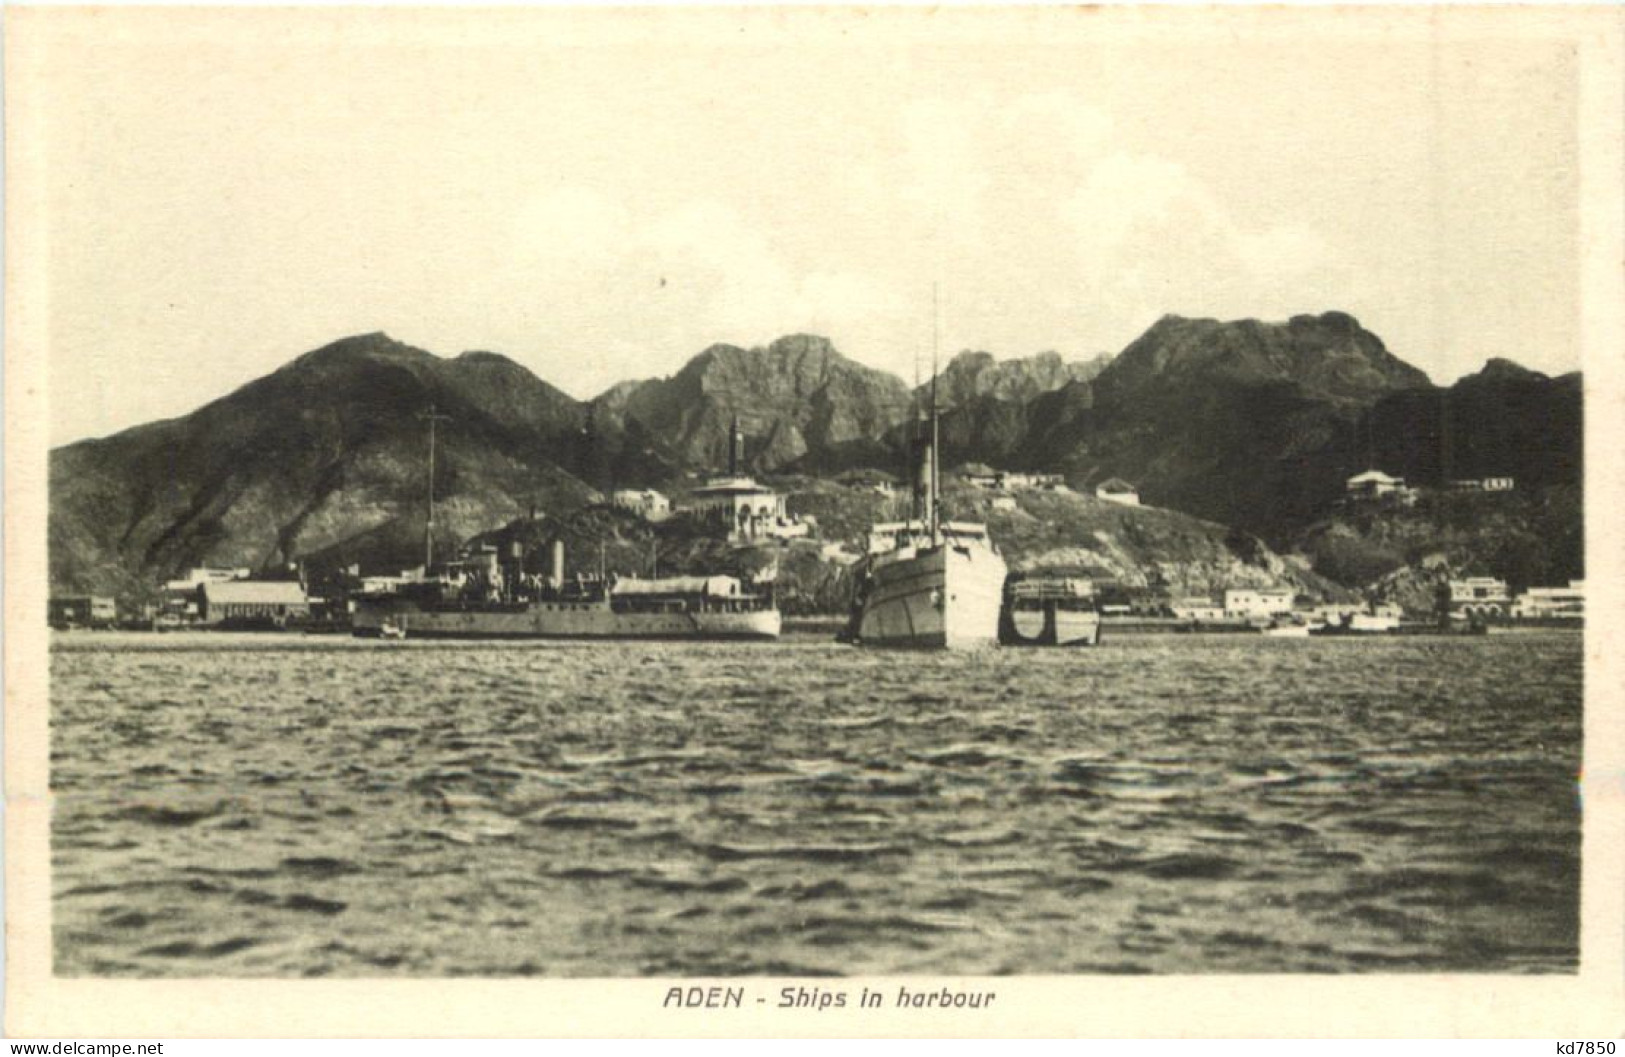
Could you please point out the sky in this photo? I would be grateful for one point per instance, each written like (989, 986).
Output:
(601, 197)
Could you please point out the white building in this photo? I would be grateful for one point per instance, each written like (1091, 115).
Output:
(646, 503)
(979, 476)
(741, 506)
(272, 601)
(1483, 484)
(1117, 490)
(181, 594)
(1373, 484)
(1248, 602)
(1049, 482)
(1199, 608)
(1479, 596)
(1551, 601)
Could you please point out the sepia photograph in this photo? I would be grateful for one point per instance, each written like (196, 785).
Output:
(810, 510)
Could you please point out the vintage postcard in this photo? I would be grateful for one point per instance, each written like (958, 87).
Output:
(828, 521)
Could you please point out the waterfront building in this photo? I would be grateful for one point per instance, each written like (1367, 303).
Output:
(1482, 596)
(1242, 603)
(181, 594)
(1551, 602)
(83, 611)
(1200, 607)
(267, 601)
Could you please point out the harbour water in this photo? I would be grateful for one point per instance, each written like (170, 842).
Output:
(288, 806)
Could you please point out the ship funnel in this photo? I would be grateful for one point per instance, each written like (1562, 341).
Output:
(558, 563)
(923, 483)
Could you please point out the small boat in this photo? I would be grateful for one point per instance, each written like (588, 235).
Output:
(389, 629)
(1360, 624)
(1049, 611)
(1287, 630)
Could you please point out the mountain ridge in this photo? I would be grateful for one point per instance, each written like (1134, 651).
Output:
(1250, 424)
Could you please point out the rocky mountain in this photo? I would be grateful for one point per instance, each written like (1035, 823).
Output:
(1239, 422)
(976, 376)
(798, 401)
(1327, 358)
(326, 457)
(1245, 424)
(989, 409)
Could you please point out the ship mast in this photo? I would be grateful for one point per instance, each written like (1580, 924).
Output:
(933, 499)
(917, 474)
(430, 416)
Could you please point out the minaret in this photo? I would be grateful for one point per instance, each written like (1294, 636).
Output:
(736, 448)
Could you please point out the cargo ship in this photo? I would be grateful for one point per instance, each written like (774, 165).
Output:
(926, 583)
(482, 596)
(480, 599)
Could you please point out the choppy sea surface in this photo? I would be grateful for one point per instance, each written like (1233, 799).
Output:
(305, 806)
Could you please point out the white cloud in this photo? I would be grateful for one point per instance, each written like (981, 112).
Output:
(1153, 238)
(649, 290)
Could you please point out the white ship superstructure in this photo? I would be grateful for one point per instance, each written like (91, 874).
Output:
(928, 583)
(930, 590)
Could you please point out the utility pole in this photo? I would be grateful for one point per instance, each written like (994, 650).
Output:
(431, 416)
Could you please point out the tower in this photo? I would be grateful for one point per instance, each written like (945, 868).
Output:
(736, 448)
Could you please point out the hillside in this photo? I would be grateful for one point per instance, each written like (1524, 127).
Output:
(1137, 547)
(325, 456)
(1526, 538)
(1246, 424)
(1242, 422)
(1504, 421)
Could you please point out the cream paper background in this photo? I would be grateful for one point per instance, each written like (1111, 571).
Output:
(1588, 1004)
